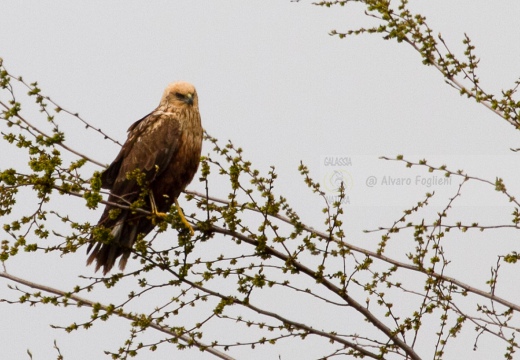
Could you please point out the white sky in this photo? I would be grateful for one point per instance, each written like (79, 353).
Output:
(271, 79)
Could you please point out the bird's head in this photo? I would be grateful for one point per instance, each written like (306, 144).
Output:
(180, 94)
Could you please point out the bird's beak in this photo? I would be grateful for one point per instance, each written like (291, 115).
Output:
(189, 99)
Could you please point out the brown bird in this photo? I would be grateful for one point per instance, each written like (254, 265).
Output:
(156, 163)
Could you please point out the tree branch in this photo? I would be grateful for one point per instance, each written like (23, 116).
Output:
(84, 302)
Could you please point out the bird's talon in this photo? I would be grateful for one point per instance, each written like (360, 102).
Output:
(160, 215)
(183, 218)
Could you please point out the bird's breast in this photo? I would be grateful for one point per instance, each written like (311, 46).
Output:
(185, 161)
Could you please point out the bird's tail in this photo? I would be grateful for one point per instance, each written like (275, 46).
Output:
(123, 236)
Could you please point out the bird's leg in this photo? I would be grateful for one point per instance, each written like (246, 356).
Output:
(155, 211)
(162, 215)
(183, 218)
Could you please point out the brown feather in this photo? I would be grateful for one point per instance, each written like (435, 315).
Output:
(165, 146)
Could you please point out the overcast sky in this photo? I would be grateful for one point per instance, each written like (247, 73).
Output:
(271, 79)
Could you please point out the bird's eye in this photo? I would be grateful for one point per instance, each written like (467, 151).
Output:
(179, 96)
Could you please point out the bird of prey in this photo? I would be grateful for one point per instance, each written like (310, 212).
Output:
(156, 163)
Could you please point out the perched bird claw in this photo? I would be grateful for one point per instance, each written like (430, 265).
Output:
(157, 214)
(183, 218)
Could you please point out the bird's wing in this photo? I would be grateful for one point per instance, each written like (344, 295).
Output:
(151, 143)
(109, 176)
